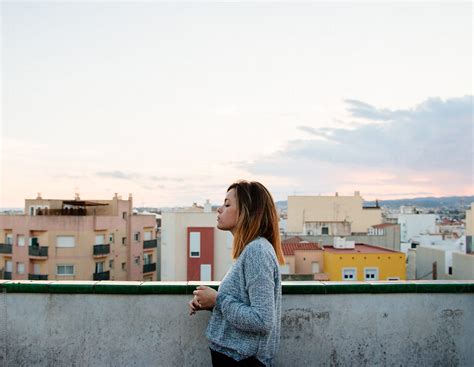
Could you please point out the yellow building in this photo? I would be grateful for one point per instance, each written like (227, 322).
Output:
(78, 240)
(331, 215)
(364, 263)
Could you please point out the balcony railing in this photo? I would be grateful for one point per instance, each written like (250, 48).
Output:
(148, 268)
(38, 251)
(5, 249)
(105, 275)
(37, 277)
(7, 275)
(150, 243)
(101, 250)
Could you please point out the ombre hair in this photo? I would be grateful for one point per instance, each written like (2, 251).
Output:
(257, 217)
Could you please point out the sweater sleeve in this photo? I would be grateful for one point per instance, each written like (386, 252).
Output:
(259, 316)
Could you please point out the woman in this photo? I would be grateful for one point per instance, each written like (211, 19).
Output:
(244, 328)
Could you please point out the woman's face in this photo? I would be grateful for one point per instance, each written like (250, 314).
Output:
(228, 213)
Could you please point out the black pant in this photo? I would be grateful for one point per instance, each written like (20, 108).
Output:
(221, 360)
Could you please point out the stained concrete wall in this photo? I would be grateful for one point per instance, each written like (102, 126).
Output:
(407, 329)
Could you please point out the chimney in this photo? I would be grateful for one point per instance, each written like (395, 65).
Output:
(38, 197)
(356, 193)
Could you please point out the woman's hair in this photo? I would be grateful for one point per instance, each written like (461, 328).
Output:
(257, 217)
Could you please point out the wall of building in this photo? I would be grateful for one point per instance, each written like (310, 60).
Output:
(344, 329)
(303, 209)
(412, 225)
(425, 257)
(389, 265)
(174, 244)
(304, 260)
(463, 266)
(470, 221)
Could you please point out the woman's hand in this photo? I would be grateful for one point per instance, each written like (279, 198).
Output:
(205, 297)
(193, 306)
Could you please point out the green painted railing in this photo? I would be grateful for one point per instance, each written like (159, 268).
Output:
(116, 287)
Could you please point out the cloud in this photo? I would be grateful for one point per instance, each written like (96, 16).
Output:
(117, 174)
(431, 140)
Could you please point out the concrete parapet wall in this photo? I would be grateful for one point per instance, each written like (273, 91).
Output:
(323, 324)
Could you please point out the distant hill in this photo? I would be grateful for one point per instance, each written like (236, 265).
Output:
(427, 202)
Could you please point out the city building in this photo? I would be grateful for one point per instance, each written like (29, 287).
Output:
(331, 215)
(302, 259)
(192, 247)
(349, 261)
(384, 235)
(412, 226)
(78, 240)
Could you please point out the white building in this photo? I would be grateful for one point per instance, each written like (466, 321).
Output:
(192, 248)
(412, 225)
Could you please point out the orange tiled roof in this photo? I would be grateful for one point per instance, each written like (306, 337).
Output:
(292, 240)
(290, 248)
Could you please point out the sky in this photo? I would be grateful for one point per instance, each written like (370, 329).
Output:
(174, 101)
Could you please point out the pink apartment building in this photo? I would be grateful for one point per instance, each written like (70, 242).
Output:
(78, 240)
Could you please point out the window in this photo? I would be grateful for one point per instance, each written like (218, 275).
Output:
(65, 241)
(124, 266)
(9, 266)
(100, 239)
(65, 270)
(136, 236)
(21, 240)
(450, 270)
(147, 236)
(32, 210)
(349, 274)
(36, 269)
(20, 268)
(206, 271)
(124, 240)
(124, 215)
(34, 241)
(324, 230)
(194, 244)
(315, 267)
(111, 238)
(137, 260)
(393, 278)
(148, 259)
(9, 239)
(371, 274)
(99, 267)
(111, 264)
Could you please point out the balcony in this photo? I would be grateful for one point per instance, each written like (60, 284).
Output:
(149, 268)
(150, 244)
(323, 324)
(105, 275)
(5, 248)
(101, 250)
(38, 251)
(37, 277)
(7, 275)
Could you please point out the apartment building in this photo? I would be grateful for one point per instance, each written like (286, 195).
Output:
(349, 261)
(78, 240)
(331, 215)
(192, 247)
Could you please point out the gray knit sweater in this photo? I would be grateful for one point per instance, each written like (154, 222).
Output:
(246, 318)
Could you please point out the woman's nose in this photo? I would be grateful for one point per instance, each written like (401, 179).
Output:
(219, 209)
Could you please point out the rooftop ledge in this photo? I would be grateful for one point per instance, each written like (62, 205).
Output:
(186, 288)
(107, 323)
